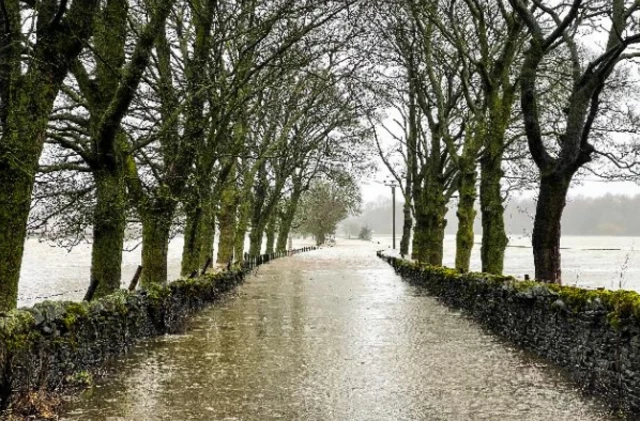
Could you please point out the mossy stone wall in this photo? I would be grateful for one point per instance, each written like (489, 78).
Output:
(48, 345)
(594, 335)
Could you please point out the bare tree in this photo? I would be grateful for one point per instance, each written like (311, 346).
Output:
(559, 158)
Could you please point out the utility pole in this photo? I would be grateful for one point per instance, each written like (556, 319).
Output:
(392, 183)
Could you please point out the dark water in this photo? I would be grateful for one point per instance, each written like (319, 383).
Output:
(331, 335)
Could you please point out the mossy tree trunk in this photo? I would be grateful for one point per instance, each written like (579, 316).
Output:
(431, 189)
(199, 231)
(227, 223)
(270, 232)
(466, 213)
(287, 217)
(419, 245)
(199, 227)
(412, 166)
(265, 203)
(15, 200)
(494, 238)
(107, 157)
(156, 229)
(191, 248)
(430, 211)
(30, 80)
(20, 149)
(258, 221)
(109, 91)
(109, 222)
(420, 233)
(207, 232)
(256, 240)
(199, 235)
(436, 210)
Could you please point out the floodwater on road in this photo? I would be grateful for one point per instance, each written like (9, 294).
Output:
(332, 334)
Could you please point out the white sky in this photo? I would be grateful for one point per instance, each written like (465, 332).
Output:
(374, 192)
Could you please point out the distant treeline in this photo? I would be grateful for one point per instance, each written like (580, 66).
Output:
(606, 215)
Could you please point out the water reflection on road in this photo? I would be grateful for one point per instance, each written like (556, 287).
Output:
(331, 335)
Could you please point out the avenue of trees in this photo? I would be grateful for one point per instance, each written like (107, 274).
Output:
(226, 118)
(483, 97)
(160, 117)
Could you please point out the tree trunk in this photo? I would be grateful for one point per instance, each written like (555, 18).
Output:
(419, 246)
(494, 238)
(320, 239)
(547, 229)
(271, 234)
(286, 220)
(284, 228)
(407, 226)
(191, 248)
(435, 240)
(227, 223)
(21, 141)
(428, 239)
(241, 231)
(466, 215)
(255, 240)
(109, 223)
(428, 235)
(420, 233)
(207, 233)
(156, 227)
(15, 199)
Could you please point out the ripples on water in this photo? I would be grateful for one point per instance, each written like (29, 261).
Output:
(331, 335)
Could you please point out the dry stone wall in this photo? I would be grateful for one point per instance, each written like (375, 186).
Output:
(593, 334)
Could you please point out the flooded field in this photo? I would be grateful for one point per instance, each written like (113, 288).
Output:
(591, 262)
(55, 273)
(611, 262)
(331, 335)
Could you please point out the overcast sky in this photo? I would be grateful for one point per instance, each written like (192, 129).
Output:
(372, 191)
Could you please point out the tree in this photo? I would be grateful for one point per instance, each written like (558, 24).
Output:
(326, 204)
(365, 233)
(32, 71)
(559, 156)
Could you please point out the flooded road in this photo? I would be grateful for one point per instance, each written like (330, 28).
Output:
(331, 335)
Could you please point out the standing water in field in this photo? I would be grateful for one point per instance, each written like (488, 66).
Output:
(331, 335)
(587, 262)
(55, 273)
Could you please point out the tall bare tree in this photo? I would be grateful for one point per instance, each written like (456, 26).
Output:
(559, 157)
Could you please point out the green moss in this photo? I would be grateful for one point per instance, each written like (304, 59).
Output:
(522, 286)
(622, 307)
(157, 294)
(80, 379)
(15, 321)
(16, 330)
(73, 312)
